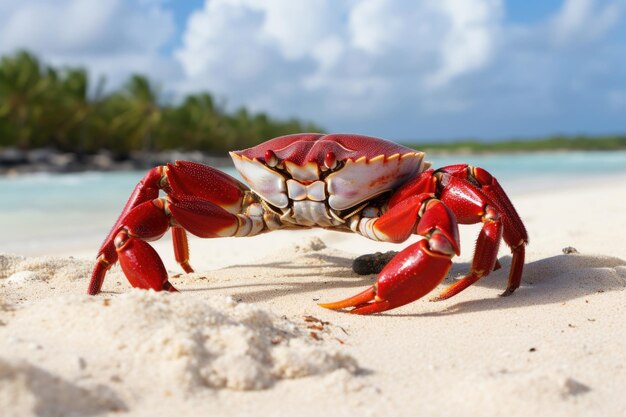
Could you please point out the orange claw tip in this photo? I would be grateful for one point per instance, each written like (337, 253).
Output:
(356, 300)
(371, 308)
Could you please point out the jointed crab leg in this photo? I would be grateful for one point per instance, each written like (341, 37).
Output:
(149, 221)
(514, 232)
(139, 261)
(186, 178)
(215, 196)
(146, 189)
(181, 248)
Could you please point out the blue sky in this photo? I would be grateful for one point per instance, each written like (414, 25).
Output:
(530, 12)
(421, 70)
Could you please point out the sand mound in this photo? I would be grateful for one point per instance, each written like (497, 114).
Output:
(19, 270)
(169, 342)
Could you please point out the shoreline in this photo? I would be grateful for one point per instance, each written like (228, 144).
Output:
(49, 160)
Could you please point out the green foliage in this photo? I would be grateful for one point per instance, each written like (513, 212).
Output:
(45, 106)
(554, 143)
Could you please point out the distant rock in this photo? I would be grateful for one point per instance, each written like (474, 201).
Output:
(17, 161)
(12, 156)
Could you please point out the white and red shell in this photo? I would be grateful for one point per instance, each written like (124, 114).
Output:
(340, 171)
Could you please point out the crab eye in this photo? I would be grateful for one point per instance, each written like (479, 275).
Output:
(270, 158)
(330, 160)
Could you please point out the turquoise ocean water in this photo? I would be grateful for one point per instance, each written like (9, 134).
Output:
(44, 213)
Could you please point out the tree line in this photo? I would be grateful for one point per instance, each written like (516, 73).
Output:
(553, 143)
(42, 105)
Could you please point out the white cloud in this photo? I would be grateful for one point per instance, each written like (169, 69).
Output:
(330, 59)
(298, 26)
(585, 21)
(456, 35)
(115, 37)
(248, 30)
(469, 42)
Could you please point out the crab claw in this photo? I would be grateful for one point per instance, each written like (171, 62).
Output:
(361, 299)
(141, 264)
(410, 275)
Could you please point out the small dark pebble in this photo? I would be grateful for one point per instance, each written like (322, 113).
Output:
(570, 250)
(532, 349)
(372, 263)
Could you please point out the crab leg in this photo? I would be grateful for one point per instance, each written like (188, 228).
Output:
(149, 221)
(181, 248)
(146, 189)
(514, 232)
(191, 179)
(417, 269)
(139, 261)
(471, 206)
(183, 180)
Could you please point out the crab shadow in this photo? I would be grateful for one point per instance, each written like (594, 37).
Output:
(334, 271)
(329, 262)
(555, 279)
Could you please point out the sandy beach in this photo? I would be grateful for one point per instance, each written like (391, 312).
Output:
(245, 336)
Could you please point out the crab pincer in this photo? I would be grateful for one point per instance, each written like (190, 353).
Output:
(415, 271)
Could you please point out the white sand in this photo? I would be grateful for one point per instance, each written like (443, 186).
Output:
(557, 347)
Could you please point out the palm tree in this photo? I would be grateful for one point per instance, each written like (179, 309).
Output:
(140, 113)
(23, 85)
(67, 106)
(199, 123)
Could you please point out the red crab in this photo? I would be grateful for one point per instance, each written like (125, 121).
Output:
(378, 189)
